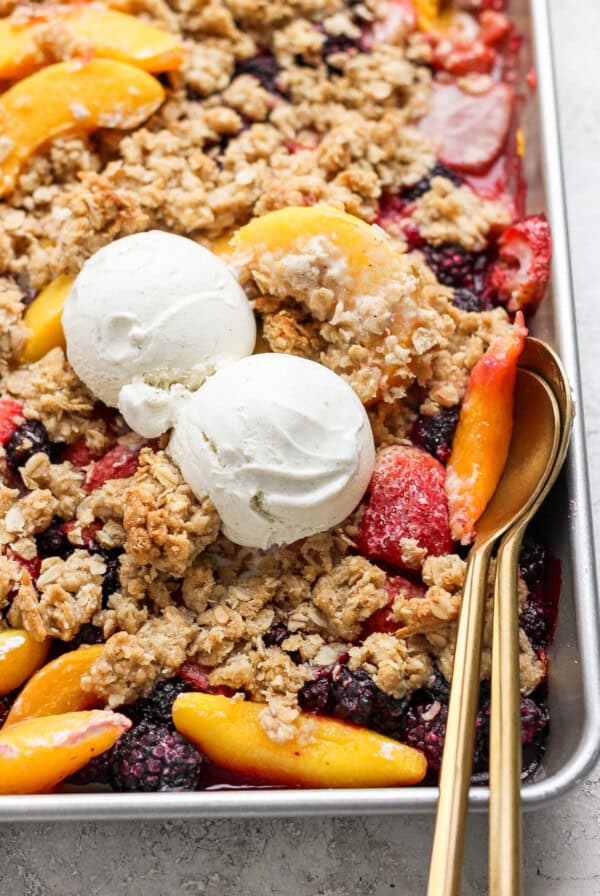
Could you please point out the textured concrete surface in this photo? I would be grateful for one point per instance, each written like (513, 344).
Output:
(371, 857)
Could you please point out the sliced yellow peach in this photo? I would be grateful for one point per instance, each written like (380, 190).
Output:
(37, 754)
(44, 319)
(56, 687)
(482, 437)
(325, 752)
(102, 32)
(70, 96)
(367, 251)
(20, 656)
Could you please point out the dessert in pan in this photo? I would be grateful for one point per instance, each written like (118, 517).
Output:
(266, 277)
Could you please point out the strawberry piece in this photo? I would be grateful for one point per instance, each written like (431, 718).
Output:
(382, 620)
(407, 501)
(521, 272)
(32, 566)
(470, 130)
(79, 454)
(196, 677)
(494, 27)
(460, 57)
(88, 533)
(391, 213)
(11, 416)
(120, 462)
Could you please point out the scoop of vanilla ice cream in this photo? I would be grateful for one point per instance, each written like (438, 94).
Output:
(281, 445)
(154, 303)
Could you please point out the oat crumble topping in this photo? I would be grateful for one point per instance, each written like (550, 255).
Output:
(340, 131)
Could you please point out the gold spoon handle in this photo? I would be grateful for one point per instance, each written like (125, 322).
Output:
(505, 836)
(448, 842)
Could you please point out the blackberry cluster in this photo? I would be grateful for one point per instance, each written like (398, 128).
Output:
(152, 756)
(28, 439)
(410, 194)
(435, 432)
(353, 697)
(455, 266)
(87, 634)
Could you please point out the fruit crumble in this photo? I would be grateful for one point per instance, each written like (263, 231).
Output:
(265, 277)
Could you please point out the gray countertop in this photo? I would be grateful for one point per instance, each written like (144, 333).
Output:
(376, 856)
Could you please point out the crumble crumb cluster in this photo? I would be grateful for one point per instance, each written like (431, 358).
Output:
(291, 102)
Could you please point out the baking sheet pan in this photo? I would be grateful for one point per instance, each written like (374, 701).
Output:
(574, 677)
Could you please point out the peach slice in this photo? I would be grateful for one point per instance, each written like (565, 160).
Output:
(103, 32)
(482, 437)
(20, 656)
(43, 318)
(56, 687)
(368, 253)
(325, 753)
(84, 96)
(37, 754)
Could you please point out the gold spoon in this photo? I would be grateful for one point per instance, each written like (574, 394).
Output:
(505, 837)
(530, 457)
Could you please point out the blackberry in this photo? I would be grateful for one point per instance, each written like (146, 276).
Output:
(315, 696)
(542, 575)
(535, 721)
(275, 638)
(276, 635)
(28, 439)
(87, 634)
(152, 758)
(468, 301)
(410, 194)
(353, 697)
(157, 707)
(53, 541)
(111, 581)
(434, 432)
(532, 562)
(97, 771)
(455, 266)
(263, 67)
(424, 728)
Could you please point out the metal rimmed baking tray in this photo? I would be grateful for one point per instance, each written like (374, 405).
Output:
(574, 676)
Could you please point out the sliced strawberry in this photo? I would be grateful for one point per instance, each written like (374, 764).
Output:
(11, 416)
(470, 130)
(521, 272)
(118, 463)
(407, 506)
